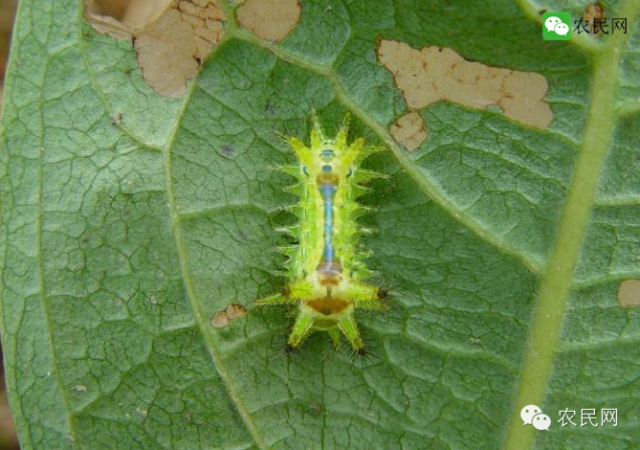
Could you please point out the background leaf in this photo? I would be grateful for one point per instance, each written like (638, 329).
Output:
(129, 219)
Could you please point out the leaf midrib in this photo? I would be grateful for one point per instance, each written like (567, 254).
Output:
(557, 279)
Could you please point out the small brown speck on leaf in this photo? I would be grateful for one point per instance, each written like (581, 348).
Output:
(629, 293)
(233, 311)
(410, 131)
(434, 74)
(116, 118)
(269, 19)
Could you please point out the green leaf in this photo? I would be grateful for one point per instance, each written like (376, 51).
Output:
(129, 219)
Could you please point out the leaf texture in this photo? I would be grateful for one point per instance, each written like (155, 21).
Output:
(129, 220)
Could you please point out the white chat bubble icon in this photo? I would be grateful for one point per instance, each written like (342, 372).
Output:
(541, 422)
(562, 29)
(551, 23)
(527, 413)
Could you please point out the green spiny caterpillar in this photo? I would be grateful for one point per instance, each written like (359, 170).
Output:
(325, 271)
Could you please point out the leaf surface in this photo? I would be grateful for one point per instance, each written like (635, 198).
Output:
(129, 220)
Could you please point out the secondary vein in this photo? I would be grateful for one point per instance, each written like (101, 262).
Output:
(199, 314)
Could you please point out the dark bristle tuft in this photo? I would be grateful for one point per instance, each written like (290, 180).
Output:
(365, 354)
(289, 349)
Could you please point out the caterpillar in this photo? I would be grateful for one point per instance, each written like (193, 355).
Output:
(325, 270)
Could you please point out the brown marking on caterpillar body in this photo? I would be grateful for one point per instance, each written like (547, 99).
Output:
(328, 306)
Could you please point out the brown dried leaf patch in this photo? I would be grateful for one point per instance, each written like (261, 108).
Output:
(170, 43)
(434, 74)
(410, 131)
(269, 19)
(224, 317)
